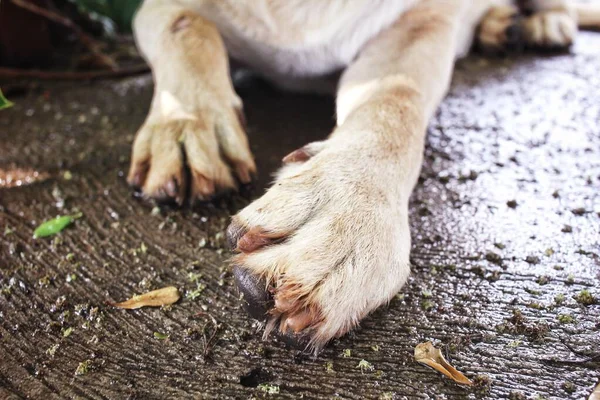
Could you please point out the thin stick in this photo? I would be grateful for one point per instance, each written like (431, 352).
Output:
(207, 343)
(12, 73)
(89, 42)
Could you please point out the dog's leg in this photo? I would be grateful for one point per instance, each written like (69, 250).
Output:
(194, 116)
(588, 15)
(330, 240)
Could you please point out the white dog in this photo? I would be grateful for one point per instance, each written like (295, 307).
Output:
(329, 242)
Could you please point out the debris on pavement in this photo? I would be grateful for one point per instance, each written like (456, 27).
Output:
(156, 298)
(54, 226)
(427, 354)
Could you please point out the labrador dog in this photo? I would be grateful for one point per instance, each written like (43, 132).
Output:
(329, 242)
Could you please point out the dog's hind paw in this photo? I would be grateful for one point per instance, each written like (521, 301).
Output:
(506, 29)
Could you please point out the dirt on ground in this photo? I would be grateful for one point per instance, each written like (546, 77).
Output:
(506, 250)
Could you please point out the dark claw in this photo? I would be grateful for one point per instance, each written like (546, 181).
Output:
(297, 341)
(136, 181)
(257, 301)
(164, 199)
(526, 7)
(234, 234)
(513, 35)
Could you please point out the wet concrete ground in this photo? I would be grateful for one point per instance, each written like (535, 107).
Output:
(506, 245)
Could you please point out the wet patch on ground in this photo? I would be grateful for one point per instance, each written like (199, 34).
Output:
(506, 249)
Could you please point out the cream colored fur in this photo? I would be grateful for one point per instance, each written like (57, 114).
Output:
(343, 205)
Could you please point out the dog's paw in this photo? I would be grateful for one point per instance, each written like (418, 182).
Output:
(197, 154)
(327, 244)
(505, 29)
(551, 29)
(500, 30)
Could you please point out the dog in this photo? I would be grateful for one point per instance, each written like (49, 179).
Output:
(329, 242)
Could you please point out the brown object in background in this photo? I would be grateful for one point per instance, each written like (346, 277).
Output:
(24, 37)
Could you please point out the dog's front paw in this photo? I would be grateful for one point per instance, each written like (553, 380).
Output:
(196, 154)
(328, 242)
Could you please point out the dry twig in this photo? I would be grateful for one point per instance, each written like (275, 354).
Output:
(13, 73)
(208, 342)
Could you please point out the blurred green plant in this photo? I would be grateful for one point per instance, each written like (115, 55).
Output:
(4, 103)
(115, 15)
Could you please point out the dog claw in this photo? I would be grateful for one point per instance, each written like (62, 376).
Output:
(171, 188)
(257, 300)
(138, 174)
(203, 187)
(244, 173)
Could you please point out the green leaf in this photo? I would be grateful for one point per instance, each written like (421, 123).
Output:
(4, 103)
(53, 226)
(270, 389)
(119, 12)
(83, 367)
(160, 336)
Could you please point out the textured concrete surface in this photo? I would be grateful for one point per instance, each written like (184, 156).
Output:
(505, 224)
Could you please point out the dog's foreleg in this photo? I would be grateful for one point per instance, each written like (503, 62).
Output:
(588, 15)
(407, 67)
(194, 117)
(331, 237)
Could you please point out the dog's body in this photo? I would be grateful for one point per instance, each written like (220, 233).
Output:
(289, 40)
(330, 239)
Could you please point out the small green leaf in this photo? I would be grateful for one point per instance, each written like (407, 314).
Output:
(53, 226)
(193, 294)
(83, 367)
(4, 103)
(270, 389)
(364, 365)
(52, 349)
(160, 336)
(329, 367)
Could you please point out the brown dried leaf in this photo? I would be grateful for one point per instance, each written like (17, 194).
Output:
(426, 354)
(155, 298)
(595, 394)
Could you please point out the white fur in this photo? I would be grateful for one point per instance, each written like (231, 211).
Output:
(298, 37)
